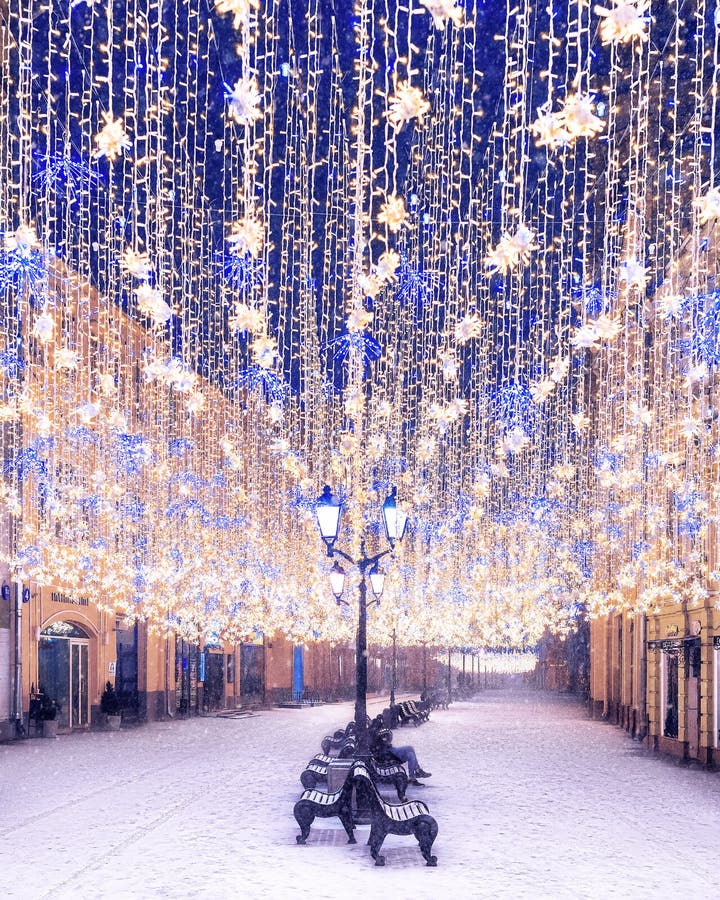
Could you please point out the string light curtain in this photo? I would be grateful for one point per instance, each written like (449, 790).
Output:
(464, 250)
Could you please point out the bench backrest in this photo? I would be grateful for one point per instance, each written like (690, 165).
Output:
(397, 812)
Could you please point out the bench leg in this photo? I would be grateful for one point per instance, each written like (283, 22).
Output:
(376, 839)
(304, 816)
(426, 831)
(345, 816)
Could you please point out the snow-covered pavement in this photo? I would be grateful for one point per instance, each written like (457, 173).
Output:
(533, 800)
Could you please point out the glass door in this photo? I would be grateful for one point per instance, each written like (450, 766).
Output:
(79, 683)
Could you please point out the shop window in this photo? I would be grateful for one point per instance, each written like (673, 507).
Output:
(670, 692)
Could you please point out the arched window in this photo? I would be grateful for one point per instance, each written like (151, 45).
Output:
(64, 630)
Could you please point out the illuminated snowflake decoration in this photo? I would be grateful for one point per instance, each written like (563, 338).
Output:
(468, 328)
(366, 347)
(259, 377)
(23, 264)
(66, 359)
(387, 266)
(241, 271)
(634, 274)
(443, 11)
(58, 171)
(111, 140)
(624, 23)
(244, 100)
(359, 319)
(44, 327)
(264, 351)
(515, 408)
(407, 104)
(414, 282)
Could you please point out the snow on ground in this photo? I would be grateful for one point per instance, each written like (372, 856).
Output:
(533, 800)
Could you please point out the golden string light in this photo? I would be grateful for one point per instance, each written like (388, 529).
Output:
(250, 249)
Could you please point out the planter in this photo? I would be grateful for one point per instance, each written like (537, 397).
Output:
(49, 728)
(113, 723)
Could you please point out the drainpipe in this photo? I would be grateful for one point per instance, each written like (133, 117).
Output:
(17, 675)
(642, 680)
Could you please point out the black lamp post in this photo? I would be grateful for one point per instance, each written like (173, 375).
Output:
(328, 510)
(394, 672)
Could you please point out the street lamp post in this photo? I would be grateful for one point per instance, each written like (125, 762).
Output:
(394, 671)
(328, 511)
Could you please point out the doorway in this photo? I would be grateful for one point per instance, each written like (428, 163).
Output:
(63, 672)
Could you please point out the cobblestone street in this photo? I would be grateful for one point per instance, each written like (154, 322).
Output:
(532, 798)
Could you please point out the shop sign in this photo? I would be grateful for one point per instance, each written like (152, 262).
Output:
(672, 630)
(59, 597)
(716, 642)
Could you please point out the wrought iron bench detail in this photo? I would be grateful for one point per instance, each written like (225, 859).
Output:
(319, 804)
(408, 817)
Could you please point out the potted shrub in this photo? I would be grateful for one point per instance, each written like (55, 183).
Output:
(110, 705)
(47, 710)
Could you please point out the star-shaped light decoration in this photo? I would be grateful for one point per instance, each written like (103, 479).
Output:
(634, 274)
(66, 359)
(244, 100)
(111, 140)
(708, 206)
(450, 365)
(549, 130)
(579, 116)
(247, 318)
(387, 266)
(264, 351)
(625, 23)
(585, 338)
(136, 263)
(22, 241)
(151, 304)
(443, 11)
(542, 389)
(469, 327)
(512, 251)
(246, 236)
(407, 104)
(606, 327)
(242, 11)
(358, 320)
(393, 213)
(44, 327)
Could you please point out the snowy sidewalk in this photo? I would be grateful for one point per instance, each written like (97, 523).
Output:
(533, 800)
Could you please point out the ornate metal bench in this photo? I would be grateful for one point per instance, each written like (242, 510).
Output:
(404, 713)
(409, 817)
(316, 771)
(319, 804)
(384, 773)
(334, 741)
